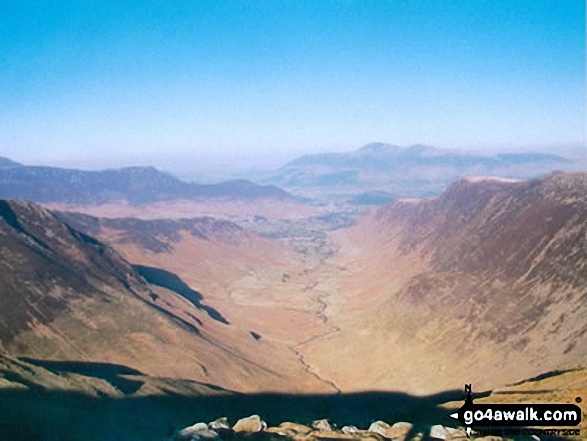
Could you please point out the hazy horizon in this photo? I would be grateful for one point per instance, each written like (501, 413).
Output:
(226, 86)
(211, 167)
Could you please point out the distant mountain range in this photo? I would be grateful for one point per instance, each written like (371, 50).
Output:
(375, 174)
(136, 185)
(378, 172)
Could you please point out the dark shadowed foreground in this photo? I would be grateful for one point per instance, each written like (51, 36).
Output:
(54, 415)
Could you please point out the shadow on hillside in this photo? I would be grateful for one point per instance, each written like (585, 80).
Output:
(54, 415)
(173, 282)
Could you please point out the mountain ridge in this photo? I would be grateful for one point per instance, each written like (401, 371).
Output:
(137, 185)
(486, 283)
(413, 171)
(67, 297)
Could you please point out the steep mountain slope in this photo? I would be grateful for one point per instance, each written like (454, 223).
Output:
(93, 379)
(485, 284)
(264, 287)
(136, 185)
(64, 296)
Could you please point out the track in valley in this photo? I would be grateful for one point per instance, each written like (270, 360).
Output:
(332, 329)
(309, 238)
(321, 314)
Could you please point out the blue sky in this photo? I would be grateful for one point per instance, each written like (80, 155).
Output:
(185, 83)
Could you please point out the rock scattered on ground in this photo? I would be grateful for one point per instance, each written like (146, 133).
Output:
(321, 425)
(253, 427)
(438, 432)
(379, 427)
(290, 430)
(252, 424)
(197, 432)
(330, 435)
(398, 431)
(350, 429)
(454, 434)
(219, 424)
(365, 435)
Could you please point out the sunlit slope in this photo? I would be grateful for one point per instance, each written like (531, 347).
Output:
(273, 288)
(561, 386)
(486, 284)
(66, 296)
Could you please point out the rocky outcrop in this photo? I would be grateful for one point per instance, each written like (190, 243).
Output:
(197, 432)
(323, 425)
(252, 424)
(380, 427)
(446, 433)
(438, 432)
(221, 424)
(398, 431)
(350, 429)
(290, 430)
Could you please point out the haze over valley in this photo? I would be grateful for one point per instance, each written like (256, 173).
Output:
(244, 288)
(232, 220)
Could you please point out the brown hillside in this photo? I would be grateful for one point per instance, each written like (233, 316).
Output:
(485, 284)
(67, 297)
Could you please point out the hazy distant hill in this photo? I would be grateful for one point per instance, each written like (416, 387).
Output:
(416, 171)
(136, 185)
(5, 162)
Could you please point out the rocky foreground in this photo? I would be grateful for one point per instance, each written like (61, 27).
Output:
(319, 430)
